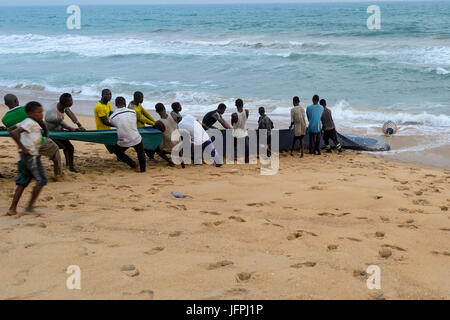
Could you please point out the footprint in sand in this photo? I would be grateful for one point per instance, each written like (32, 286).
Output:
(175, 234)
(237, 219)
(361, 274)
(237, 291)
(92, 241)
(444, 253)
(244, 276)
(130, 270)
(153, 190)
(178, 207)
(40, 225)
(444, 229)
(154, 251)
(276, 225)
(295, 235)
(385, 253)
(214, 213)
(408, 226)
(317, 188)
(304, 264)
(299, 234)
(220, 264)
(393, 247)
(421, 202)
(379, 234)
(354, 239)
(212, 224)
(259, 204)
(326, 214)
(343, 214)
(332, 247)
(444, 208)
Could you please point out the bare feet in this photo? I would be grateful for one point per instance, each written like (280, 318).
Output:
(11, 212)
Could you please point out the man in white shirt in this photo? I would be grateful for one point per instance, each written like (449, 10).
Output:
(128, 136)
(199, 139)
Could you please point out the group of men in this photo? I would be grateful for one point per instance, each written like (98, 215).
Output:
(320, 121)
(29, 128)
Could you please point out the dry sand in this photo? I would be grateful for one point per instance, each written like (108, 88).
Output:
(308, 232)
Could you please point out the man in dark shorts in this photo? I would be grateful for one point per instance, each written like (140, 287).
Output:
(264, 123)
(314, 114)
(328, 127)
(213, 116)
(54, 120)
(29, 139)
(128, 136)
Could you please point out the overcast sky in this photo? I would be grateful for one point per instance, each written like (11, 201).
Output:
(119, 2)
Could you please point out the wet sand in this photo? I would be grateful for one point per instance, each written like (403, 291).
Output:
(309, 232)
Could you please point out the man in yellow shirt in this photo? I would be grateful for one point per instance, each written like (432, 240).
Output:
(103, 110)
(143, 117)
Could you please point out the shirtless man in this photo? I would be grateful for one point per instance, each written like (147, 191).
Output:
(54, 119)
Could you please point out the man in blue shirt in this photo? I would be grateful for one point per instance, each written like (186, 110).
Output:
(314, 114)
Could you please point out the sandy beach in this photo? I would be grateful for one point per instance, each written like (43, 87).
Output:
(309, 232)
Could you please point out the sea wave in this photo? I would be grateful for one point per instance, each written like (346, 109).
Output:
(344, 113)
(442, 71)
(200, 101)
(431, 55)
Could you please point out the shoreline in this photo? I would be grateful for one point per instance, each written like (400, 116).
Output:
(437, 157)
(236, 235)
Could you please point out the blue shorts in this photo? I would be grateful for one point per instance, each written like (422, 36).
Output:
(31, 167)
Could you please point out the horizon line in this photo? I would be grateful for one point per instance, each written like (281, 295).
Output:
(221, 3)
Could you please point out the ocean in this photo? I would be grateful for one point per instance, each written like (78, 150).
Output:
(201, 55)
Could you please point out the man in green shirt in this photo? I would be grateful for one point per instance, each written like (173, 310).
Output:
(17, 114)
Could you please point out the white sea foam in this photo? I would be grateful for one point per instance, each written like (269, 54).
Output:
(434, 55)
(442, 71)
